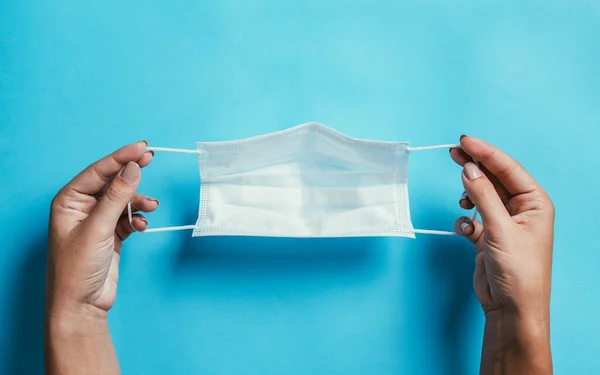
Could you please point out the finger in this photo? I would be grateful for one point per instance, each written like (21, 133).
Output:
(142, 203)
(461, 158)
(119, 193)
(124, 228)
(485, 197)
(465, 202)
(473, 231)
(145, 159)
(143, 162)
(502, 192)
(94, 177)
(511, 174)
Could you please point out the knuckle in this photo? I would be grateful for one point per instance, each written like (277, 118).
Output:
(57, 202)
(484, 190)
(541, 201)
(538, 204)
(490, 155)
(61, 200)
(508, 170)
(114, 194)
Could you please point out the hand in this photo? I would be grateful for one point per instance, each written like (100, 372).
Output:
(514, 242)
(88, 224)
(513, 261)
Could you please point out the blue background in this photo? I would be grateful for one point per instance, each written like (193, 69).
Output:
(79, 79)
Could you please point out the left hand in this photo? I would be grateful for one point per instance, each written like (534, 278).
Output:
(88, 224)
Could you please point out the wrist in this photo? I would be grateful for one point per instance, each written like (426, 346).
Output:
(517, 342)
(519, 326)
(77, 340)
(74, 319)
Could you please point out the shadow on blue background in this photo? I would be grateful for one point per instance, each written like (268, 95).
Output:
(267, 264)
(286, 268)
(273, 258)
(450, 265)
(25, 331)
(262, 261)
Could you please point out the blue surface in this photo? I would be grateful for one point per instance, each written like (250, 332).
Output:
(80, 79)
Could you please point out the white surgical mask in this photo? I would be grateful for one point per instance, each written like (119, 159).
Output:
(306, 181)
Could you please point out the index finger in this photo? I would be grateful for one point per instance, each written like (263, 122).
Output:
(92, 179)
(508, 171)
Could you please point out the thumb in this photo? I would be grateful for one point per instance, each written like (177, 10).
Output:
(484, 196)
(119, 192)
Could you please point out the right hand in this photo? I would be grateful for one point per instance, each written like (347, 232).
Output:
(88, 225)
(514, 241)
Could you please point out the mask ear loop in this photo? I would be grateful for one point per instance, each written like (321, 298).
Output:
(130, 216)
(163, 229)
(197, 152)
(440, 232)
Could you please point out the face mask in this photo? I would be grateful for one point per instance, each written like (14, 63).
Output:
(306, 181)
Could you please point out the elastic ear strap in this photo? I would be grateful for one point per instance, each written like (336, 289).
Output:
(197, 152)
(163, 229)
(188, 151)
(176, 150)
(150, 230)
(435, 232)
(435, 147)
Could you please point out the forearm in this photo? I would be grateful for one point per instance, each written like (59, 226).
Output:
(79, 344)
(515, 345)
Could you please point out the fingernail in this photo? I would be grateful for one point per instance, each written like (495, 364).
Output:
(152, 152)
(146, 142)
(464, 226)
(464, 195)
(152, 200)
(130, 173)
(471, 171)
(146, 221)
(463, 136)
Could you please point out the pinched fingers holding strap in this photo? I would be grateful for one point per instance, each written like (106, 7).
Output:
(138, 222)
(471, 230)
(141, 203)
(94, 178)
(523, 193)
(461, 158)
(76, 200)
(125, 228)
(515, 179)
(120, 192)
(496, 197)
(484, 196)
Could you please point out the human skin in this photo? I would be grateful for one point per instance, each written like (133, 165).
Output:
(88, 224)
(513, 243)
(513, 262)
